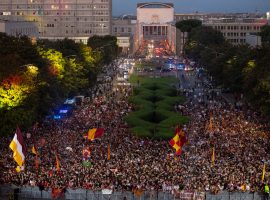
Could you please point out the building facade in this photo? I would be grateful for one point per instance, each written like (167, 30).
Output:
(21, 28)
(236, 30)
(58, 19)
(124, 29)
(155, 22)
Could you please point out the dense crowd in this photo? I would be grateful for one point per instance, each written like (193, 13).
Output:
(241, 146)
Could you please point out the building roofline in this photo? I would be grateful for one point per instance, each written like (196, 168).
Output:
(142, 5)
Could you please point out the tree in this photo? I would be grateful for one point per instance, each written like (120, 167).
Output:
(265, 34)
(188, 25)
(107, 45)
(185, 26)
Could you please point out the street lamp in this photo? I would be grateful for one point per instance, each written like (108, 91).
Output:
(102, 26)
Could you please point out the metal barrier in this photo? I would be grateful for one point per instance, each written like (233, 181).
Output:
(33, 193)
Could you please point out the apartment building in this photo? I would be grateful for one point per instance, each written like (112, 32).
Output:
(124, 29)
(58, 19)
(236, 30)
(19, 28)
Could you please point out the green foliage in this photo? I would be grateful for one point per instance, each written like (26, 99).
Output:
(106, 45)
(36, 78)
(239, 68)
(265, 33)
(154, 101)
(188, 25)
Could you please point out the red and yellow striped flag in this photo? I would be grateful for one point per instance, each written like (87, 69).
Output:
(18, 147)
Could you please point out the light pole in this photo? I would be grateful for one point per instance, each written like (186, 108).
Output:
(102, 26)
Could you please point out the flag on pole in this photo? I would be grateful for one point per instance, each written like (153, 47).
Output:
(213, 156)
(18, 147)
(175, 143)
(95, 133)
(109, 152)
(57, 163)
(178, 140)
(263, 172)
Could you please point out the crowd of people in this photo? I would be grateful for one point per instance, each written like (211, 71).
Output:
(241, 148)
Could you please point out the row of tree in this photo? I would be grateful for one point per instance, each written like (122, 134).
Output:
(36, 78)
(242, 69)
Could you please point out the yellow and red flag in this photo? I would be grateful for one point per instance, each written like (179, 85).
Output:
(95, 133)
(178, 140)
(18, 147)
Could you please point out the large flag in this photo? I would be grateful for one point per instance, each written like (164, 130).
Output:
(95, 133)
(178, 140)
(175, 143)
(18, 147)
(263, 172)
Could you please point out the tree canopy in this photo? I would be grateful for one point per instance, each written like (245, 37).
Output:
(240, 68)
(36, 78)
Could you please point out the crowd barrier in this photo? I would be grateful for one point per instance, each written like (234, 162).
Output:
(33, 193)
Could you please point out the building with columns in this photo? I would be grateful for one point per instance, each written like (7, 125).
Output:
(155, 22)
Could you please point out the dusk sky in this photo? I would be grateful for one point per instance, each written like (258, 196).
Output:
(187, 6)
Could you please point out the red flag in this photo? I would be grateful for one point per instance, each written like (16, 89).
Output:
(56, 193)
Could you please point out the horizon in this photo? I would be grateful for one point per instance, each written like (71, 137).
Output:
(193, 6)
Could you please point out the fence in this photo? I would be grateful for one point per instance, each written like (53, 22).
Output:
(33, 193)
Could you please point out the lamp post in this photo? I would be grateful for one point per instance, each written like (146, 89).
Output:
(102, 26)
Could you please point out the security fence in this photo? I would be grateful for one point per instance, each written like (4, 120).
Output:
(33, 193)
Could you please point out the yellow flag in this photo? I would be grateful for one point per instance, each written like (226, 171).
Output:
(34, 150)
(91, 133)
(263, 172)
(18, 169)
(213, 156)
